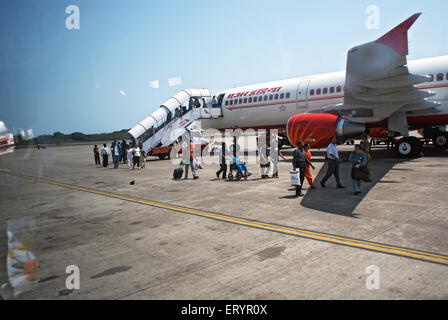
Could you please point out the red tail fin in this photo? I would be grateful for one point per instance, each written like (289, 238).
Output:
(397, 38)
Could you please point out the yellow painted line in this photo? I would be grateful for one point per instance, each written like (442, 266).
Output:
(336, 239)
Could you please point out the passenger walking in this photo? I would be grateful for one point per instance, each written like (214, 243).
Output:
(333, 163)
(264, 160)
(214, 101)
(299, 161)
(136, 157)
(196, 103)
(142, 157)
(116, 154)
(357, 160)
(105, 154)
(129, 156)
(211, 146)
(189, 159)
(96, 153)
(222, 162)
(308, 175)
(275, 153)
(124, 151)
(365, 146)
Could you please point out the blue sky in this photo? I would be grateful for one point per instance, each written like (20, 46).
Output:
(55, 79)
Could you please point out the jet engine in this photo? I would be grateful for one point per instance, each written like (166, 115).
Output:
(316, 129)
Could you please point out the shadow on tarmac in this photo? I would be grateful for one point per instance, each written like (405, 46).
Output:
(343, 201)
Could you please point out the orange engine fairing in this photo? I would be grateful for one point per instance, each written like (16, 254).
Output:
(317, 129)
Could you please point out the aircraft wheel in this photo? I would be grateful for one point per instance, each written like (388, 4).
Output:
(407, 147)
(162, 156)
(441, 140)
(230, 177)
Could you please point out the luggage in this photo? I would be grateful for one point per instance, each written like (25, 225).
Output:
(178, 172)
(295, 177)
(361, 173)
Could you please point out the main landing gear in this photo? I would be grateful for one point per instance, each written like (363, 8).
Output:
(438, 135)
(408, 147)
(440, 140)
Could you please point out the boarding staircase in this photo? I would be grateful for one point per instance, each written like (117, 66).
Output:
(173, 119)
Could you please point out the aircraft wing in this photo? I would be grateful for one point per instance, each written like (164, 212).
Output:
(378, 83)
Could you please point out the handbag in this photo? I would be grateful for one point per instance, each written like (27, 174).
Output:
(361, 173)
(295, 177)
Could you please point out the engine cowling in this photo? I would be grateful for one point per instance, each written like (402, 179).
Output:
(317, 129)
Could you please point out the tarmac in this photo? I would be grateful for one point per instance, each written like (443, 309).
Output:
(213, 239)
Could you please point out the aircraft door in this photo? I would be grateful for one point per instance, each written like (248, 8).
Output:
(302, 95)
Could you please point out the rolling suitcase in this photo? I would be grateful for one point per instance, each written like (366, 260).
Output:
(178, 172)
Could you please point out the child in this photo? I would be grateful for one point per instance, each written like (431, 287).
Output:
(308, 175)
(129, 157)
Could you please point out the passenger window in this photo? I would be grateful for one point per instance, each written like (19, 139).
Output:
(440, 77)
(235, 101)
(265, 98)
(331, 89)
(227, 102)
(270, 97)
(312, 92)
(282, 95)
(241, 101)
(432, 77)
(276, 96)
(250, 100)
(255, 99)
(231, 102)
(245, 100)
(317, 91)
(287, 95)
(338, 89)
(325, 91)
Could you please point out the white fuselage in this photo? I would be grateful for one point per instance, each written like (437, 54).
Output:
(270, 105)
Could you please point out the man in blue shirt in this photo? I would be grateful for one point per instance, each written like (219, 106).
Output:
(116, 154)
(357, 160)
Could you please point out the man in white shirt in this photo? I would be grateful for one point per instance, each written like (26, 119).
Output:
(333, 163)
(136, 158)
(105, 154)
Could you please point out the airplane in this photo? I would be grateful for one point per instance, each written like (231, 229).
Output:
(380, 91)
(6, 143)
